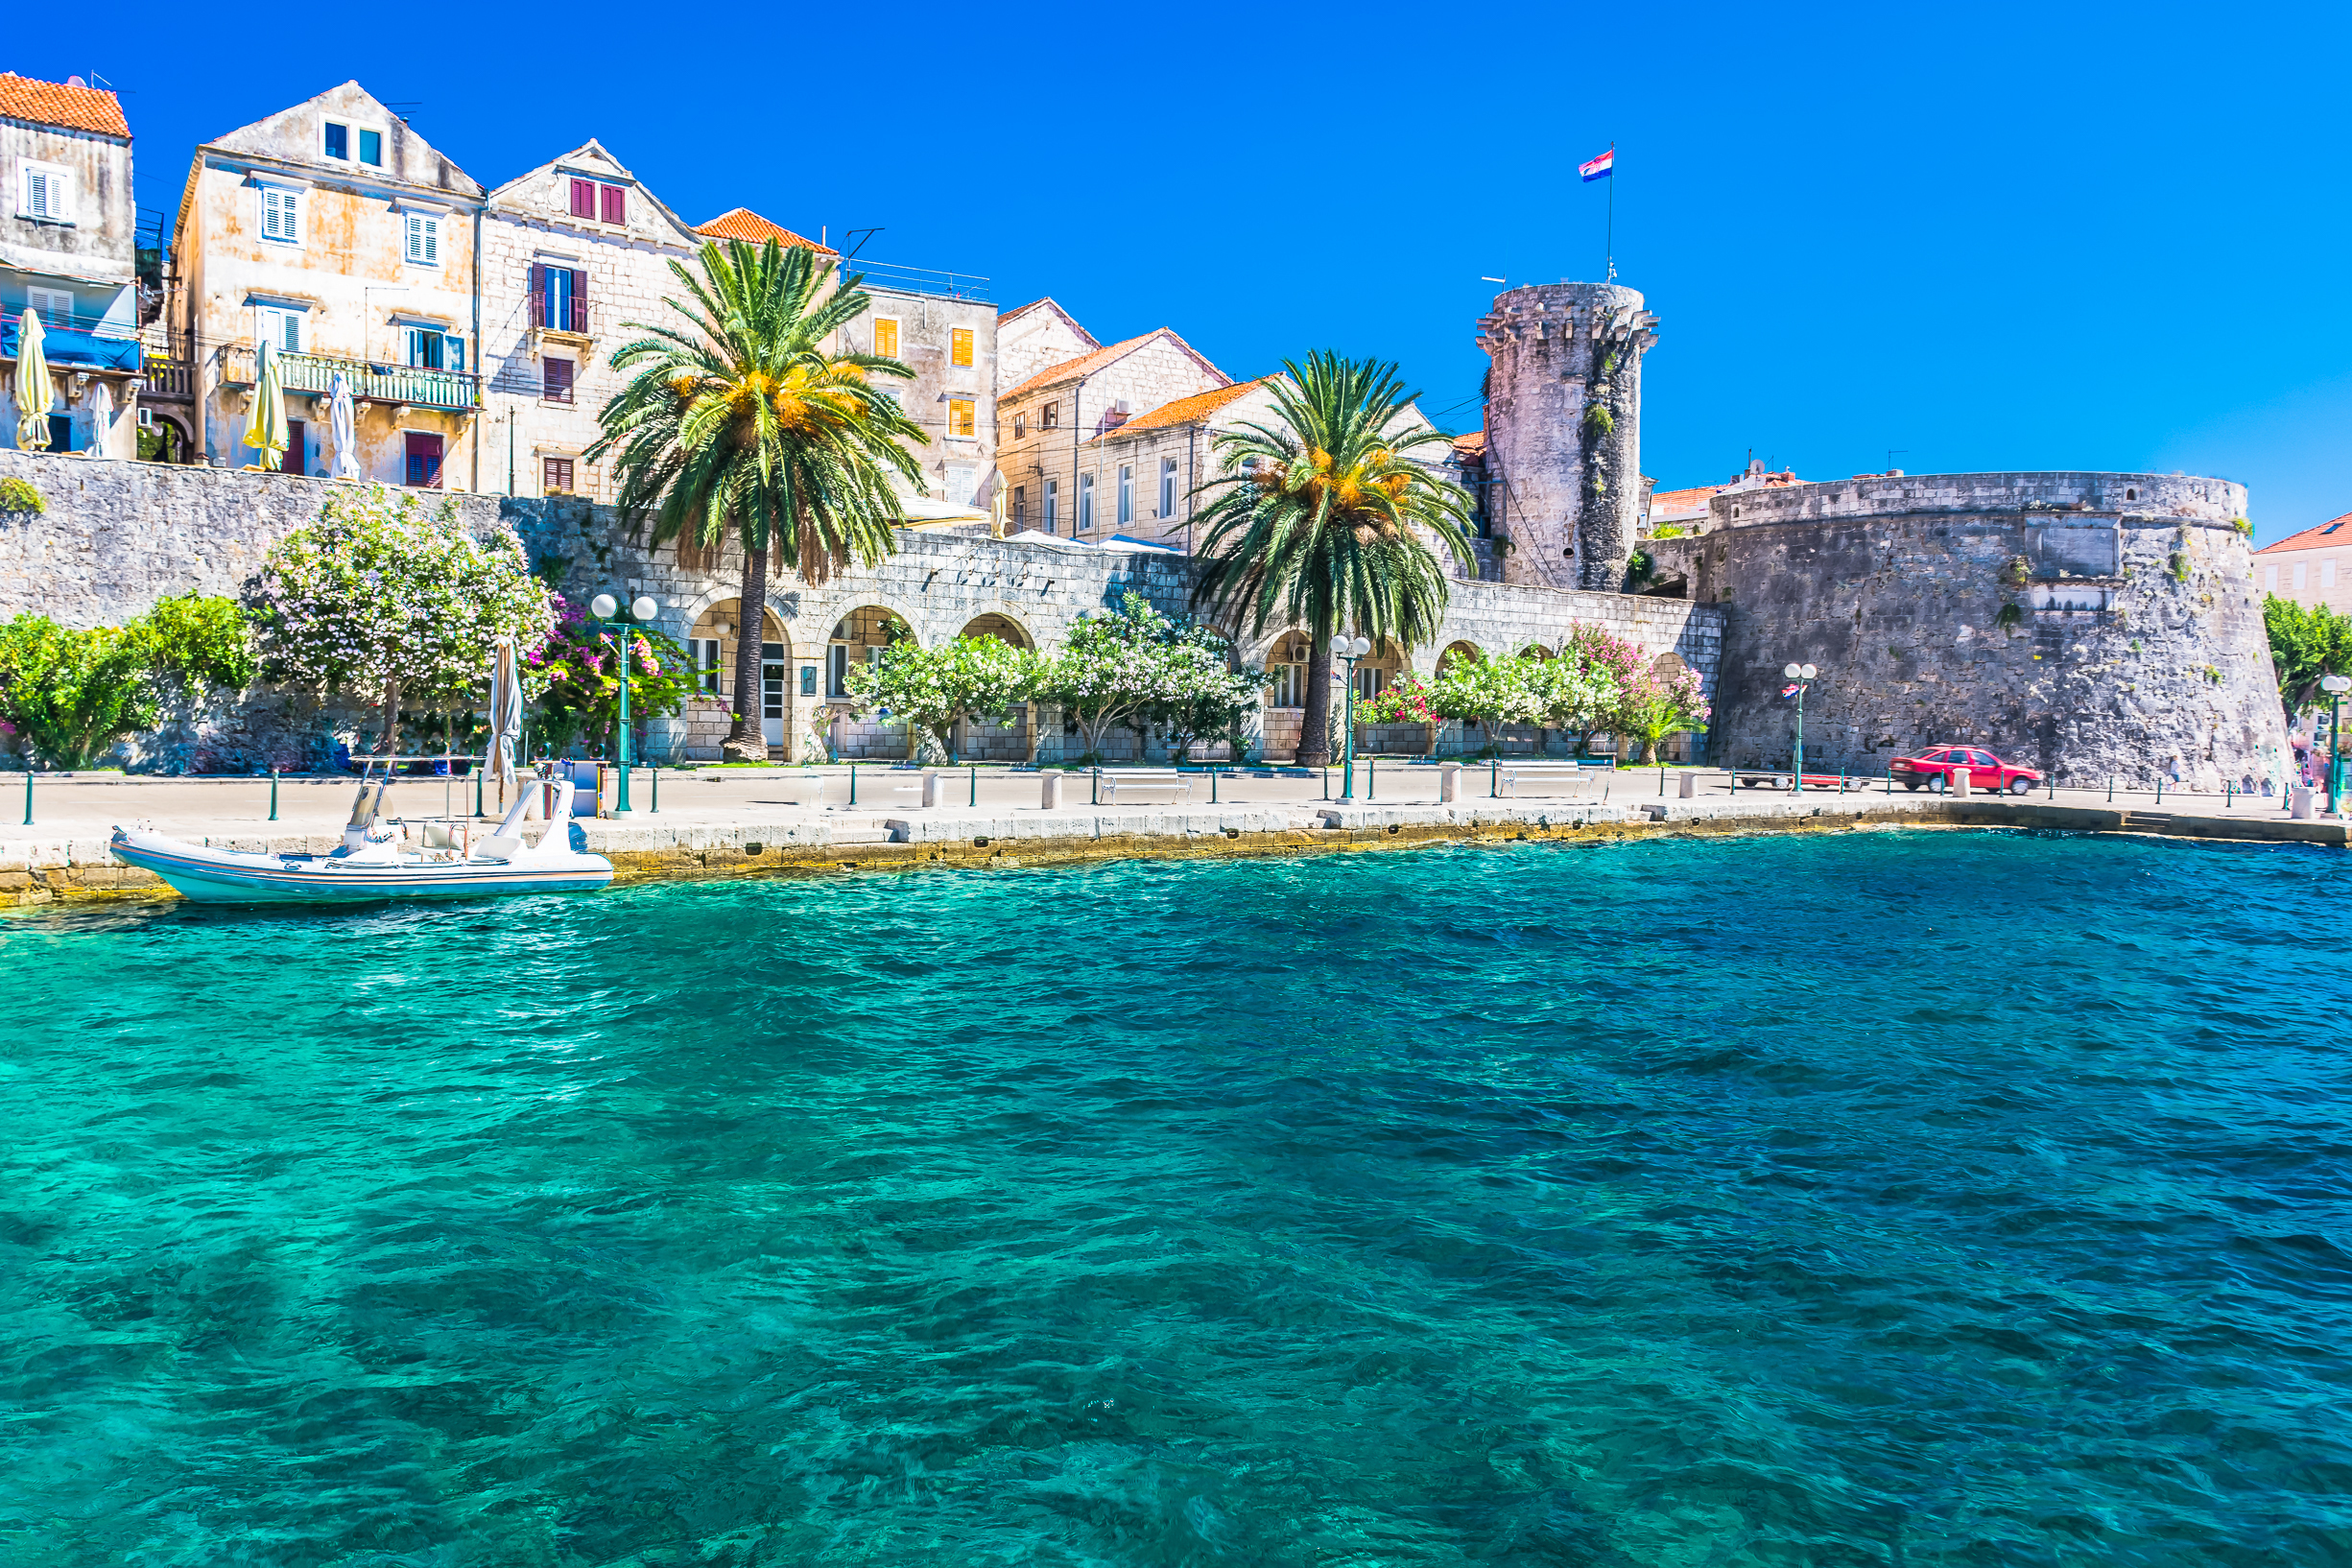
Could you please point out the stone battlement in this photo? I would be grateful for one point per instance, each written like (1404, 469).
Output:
(2169, 496)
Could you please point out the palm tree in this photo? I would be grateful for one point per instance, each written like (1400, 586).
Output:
(746, 420)
(1326, 523)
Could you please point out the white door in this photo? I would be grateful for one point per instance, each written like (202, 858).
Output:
(771, 673)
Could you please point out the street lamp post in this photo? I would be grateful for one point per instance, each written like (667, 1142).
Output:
(608, 610)
(1347, 650)
(1803, 675)
(2335, 686)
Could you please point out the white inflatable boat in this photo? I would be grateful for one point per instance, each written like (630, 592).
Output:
(376, 862)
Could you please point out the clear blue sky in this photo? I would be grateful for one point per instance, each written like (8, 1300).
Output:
(2025, 237)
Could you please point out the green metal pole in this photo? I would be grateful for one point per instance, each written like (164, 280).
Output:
(1212, 786)
(975, 800)
(1494, 776)
(1347, 734)
(1796, 764)
(656, 772)
(853, 783)
(273, 795)
(2334, 752)
(620, 807)
(1371, 779)
(478, 772)
(27, 793)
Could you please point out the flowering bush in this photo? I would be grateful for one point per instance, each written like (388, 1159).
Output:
(1205, 697)
(71, 694)
(1656, 703)
(375, 595)
(1135, 663)
(1488, 692)
(933, 688)
(1408, 700)
(575, 677)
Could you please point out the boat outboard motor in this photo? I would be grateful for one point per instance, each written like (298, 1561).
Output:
(360, 831)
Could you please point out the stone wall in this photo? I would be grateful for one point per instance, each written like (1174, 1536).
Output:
(2089, 625)
(119, 536)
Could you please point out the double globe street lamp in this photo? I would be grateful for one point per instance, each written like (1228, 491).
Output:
(607, 609)
(1347, 650)
(2335, 686)
(1803, 675)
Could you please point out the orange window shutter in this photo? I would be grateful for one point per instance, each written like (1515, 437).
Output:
(963, 345)
(886, 339)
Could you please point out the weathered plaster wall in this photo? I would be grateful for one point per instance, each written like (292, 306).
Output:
(2090, 625)
(1567, 492)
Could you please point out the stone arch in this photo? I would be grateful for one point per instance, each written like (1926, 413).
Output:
(1004, 628)
(1460, 651)
(713, 628)
(858, 635)
(1014, 738)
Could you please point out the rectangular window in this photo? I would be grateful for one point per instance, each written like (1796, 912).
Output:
(1286, 686)
(963, 479)
(425, 348)
(1020, 426)
(555, 379)
(583, 197)
(339, 141)
(54, 306)
(1167, 487)
(424, 238)
(1020, 506)
(560, 298)
(2269, 578)
(2299, 577)
(292, 461)
(886, 337)
(959, 346)
(44, 192)
(1126, 494)
(1085, 502)
(1053, 504)
(706, 651)
(371, 149)
(772, 667)
(960, 416)
(616, 204)
(281, 327)
(556, 476)
(424, 458)
(1049, 417)
(837, 669)
(281, 215)
(2327, 573)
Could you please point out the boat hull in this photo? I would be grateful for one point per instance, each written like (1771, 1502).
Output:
(214, 876)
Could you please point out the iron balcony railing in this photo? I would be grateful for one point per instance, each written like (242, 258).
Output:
(96, 341)
(168, 363)
(881, 275)
(415, 385)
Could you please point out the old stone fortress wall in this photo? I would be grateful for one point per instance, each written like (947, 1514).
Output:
(2092, 625)
(119, 536)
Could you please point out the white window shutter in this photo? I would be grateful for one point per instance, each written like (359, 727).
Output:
(292, 343)
(433, 241)
(37, 193)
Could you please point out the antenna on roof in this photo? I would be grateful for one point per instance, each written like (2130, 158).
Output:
(848, 234)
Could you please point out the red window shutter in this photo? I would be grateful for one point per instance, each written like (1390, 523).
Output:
(579, 299)
(538, 295)
(583, 197)
(616, 204)
(556, 380)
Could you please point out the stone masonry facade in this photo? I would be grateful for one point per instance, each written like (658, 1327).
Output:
(2089, 625)
(116, 536)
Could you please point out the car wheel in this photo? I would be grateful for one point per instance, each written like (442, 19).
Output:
(2021, 785)
(1748, 783)
(1938, 784)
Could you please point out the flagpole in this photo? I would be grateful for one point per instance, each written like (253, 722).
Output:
(1612, 233)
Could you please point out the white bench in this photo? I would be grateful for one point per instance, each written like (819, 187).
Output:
(1145, 778)
(1549, 778)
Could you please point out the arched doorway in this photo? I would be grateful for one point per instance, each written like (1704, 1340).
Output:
(1013, 737)
(1286, 692)
(858, 639)
(712, 644)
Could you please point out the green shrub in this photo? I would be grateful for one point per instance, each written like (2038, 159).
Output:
(2180, 566)
(2243, 526)
(19, 495)
(2008, 618)
(72, 695)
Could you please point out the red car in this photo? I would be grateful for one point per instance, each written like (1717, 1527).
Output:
(1934, 769)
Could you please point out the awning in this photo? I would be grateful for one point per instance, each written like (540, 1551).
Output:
(68, 347)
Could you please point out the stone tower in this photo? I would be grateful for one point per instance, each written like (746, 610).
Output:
(1564, 430)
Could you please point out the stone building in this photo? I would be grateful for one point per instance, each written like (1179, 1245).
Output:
(1564, 430)
(1060, 480)
(2311, 567)
(2089, 625)
(570, 253)
(68, 254)
(940, 326)
(336, 232)
(1029, 338)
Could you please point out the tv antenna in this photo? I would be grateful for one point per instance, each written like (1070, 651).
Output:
(848, 234)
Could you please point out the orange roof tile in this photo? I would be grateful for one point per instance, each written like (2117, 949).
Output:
(65, 103)
(1186, 411)
(1471, 443)
(743, 224)
(1086, 365)
(2316, 535)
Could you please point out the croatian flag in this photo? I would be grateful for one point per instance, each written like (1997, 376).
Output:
(1599, 168)
(1788, 691)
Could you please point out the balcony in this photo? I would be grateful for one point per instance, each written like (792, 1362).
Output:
(881, 275)
(168, 362)
(77, 343)
(405, 386)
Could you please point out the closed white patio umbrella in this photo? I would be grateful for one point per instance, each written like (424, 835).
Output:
(506, 717)
(33, 389)
(341, 422)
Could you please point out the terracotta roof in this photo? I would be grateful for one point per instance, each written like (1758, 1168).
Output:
(2316, 537)
(67, 103)
(743, 224)
(1471, 443)
(1186, 411)
(1086, 365)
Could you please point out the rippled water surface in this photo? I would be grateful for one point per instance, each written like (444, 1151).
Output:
(1906, 1199)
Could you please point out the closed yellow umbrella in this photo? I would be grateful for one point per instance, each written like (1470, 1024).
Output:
(265, 431)
(33, 392)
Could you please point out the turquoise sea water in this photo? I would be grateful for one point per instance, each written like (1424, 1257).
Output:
(1883, 1199)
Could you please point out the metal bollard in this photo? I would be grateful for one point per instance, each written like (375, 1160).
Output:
(1371, 779)
(2110, 789)
(1094, 789)
(975, 800)
(853, 783)
(273, 796)
(1494, 775)
(1212, 786)
(2159, 789)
